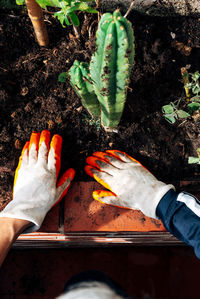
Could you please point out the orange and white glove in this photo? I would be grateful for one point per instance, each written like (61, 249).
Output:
(36, 189)
(131, 185)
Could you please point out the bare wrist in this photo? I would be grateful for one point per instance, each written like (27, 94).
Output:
(14, 226)
(10, 229)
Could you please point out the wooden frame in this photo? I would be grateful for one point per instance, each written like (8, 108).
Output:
(60, 237)
(95, 239)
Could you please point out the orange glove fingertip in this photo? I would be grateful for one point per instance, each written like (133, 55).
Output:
(88, 170)
(114, 153)
(56, 144)
(26, 147)
(70, 173)
(93, 161)
(102, 193)
(96, 196)
(34, 139)
(45, 137)
(102, 156)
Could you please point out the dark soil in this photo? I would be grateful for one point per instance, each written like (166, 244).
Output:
(32, 98)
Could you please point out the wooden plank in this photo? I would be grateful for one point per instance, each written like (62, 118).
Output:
(96, 239)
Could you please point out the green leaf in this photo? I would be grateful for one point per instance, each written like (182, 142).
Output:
(74, 19)
(91, 10)
(62, 77)
(67, 22)
(168, 109)
(170, 118)
(20, 2)
(196, 89)
(196, 76)
(193, 107)
(193, 160)
(45, 3)
(196, 98)
(61, 17)
(182, 114)
(55, 3)
(84, 7)
(72, 9)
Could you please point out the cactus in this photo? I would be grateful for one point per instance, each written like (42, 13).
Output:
(111, 65)
(103, 91)
(81, 82)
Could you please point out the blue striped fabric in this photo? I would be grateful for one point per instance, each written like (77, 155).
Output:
(179, 214)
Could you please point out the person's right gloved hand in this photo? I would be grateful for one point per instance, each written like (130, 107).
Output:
(131, 185)
(36, 189)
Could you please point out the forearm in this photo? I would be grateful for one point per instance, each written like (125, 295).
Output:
(10, 229)
(180, 213)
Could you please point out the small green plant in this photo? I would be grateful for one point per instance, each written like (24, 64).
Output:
(191, 103)
(171, 113)
(110, 68)
(194, 86)
(67, 8)
(195, 160)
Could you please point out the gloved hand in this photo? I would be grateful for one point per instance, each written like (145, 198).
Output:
(36, 189)
(131, 185)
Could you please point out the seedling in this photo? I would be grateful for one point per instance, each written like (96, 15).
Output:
(195, 160)
(191, 82)
(110, 67)
(172, 113)
(192, 107)
(194, 86)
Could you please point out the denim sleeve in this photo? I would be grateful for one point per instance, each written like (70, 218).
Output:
(180, 214)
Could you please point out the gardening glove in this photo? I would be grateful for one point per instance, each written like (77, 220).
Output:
(36, 189)
(131, 185)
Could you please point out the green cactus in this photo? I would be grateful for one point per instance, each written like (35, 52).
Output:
(81, 82)
(111, 66)
(104, 90)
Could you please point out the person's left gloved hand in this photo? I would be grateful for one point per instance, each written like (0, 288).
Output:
(36, 189)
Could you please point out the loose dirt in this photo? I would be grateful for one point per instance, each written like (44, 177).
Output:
(32, 98)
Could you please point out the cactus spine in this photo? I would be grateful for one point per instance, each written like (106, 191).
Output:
(81, 82)
(111, 66)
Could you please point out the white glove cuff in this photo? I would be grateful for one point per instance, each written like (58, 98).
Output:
(162, 189)
(25, 212)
